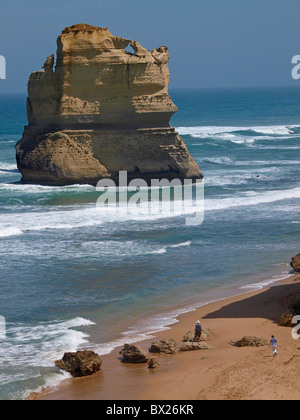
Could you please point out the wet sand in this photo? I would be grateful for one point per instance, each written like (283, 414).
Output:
(222, 373)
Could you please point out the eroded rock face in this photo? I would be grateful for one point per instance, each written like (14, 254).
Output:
(164, 346)
(153, 364)
(190, 346)
(287, 317)
(98, 109)
(190, 335)
(134, 354)
(248, 341)
(295, 263)
(81, 363)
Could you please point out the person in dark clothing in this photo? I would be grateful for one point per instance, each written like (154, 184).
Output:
(198, 331)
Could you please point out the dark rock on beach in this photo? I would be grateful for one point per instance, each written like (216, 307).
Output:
(153, 364)
(164, 346)
(134, 354)
(295, 263)
(286, 319)
(192, 346)
(248, 341)
(82, 363)
(190, 335)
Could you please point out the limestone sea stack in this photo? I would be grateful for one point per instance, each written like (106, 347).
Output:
(96, 109)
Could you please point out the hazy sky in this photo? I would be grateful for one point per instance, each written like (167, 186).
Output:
(213, 43)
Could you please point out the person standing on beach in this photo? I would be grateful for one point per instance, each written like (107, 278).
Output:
(198, 331)
(273, 343)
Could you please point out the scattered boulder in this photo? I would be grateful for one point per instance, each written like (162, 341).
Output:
(287, 317)
(134, 354)
(248, 341)
(295, 263)
(164, 346)
(153, 364)
(191, 346)
(190, 335)
(82, 363)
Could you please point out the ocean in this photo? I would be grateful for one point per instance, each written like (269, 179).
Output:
(75, 278)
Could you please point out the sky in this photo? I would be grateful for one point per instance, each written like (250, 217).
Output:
(213, 43)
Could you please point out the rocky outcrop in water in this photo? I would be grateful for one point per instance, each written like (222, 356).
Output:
(82, 363)
(96, 109)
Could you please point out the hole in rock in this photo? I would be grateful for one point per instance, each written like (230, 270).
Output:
(129, 50)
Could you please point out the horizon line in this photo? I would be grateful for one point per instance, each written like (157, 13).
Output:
(202, 88)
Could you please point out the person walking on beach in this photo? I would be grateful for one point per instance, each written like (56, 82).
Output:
(198, 331)
(273, 344)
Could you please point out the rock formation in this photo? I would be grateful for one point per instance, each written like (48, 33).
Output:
(82, 363)
(248, 341)
(97, 109)
(153, 364)
(295, 263)
(134, 354)
(191, 346)
(286, 319)
(190, 335)
(164, 346)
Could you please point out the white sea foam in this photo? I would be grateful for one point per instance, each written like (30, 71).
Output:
(7, 141)
(220, 160)
(90, 216)
(251, 198)
(4, 166)
(159, 251)
(10, 231)
(228, 161)
(231, 132)
(51, 381)
(248, 136)
(265, 283)
(41, 189)
(235, 179)
(40, 345)
(165, 249)
(187, 243)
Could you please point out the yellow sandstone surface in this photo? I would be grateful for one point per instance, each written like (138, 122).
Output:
(96, 109)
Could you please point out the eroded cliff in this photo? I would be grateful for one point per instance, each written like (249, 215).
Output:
(98, 109)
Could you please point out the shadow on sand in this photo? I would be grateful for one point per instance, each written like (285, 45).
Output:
(269, 304)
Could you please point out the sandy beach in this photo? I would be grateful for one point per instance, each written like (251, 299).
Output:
(223, 373)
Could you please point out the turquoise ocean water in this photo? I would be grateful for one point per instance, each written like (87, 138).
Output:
(72, 277)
